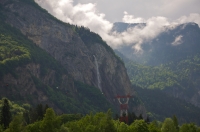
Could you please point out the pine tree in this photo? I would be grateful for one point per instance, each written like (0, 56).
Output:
(175, 120)
(5, 118)
(131, 117)
(40, 111)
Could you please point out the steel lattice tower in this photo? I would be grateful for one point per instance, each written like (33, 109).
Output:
(123, 108)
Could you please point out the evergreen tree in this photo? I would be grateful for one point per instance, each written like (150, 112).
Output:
(175, 122)
(51, 122)
(40, 112)
(45, 108)
(131, 117)
(147, 120)
(5, 118)
(26, 117)
(140, 117)
(37, 113)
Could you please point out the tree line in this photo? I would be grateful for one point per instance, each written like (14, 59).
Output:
(44, 119)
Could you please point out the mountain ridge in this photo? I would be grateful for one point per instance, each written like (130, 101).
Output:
(73, 48)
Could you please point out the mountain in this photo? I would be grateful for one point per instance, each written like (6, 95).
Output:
(159, 90)
(168, 64)
(175, 43)
(121, 26)
(44, 60)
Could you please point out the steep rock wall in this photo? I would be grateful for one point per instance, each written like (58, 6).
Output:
(62, 42)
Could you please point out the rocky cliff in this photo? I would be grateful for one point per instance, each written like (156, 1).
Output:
(64, 43)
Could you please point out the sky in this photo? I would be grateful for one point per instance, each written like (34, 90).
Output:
(99, 16)
(172, 9)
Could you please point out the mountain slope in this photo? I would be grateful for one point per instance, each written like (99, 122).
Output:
(175, 57)
(161, 105)
(47, 61)
(162, 91)
(29, 74)
(174, 44)
(65, 44)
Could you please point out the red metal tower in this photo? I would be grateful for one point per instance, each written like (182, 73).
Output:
(123, 108)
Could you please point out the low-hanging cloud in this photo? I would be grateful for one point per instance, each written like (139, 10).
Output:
(87, 15)
(193, 17)
(131, 19)
(178, 40)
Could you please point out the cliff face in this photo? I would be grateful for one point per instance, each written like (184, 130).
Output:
(23, 87)
(63, 43)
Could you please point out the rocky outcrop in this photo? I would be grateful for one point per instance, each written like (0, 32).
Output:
(22, 86)
(62, 42)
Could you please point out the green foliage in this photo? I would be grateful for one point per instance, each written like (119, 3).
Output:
(121, 126)
(16, 125)
(5, 115)
(153, 127)
(15, 108)
(10, 51)
(51, 122)
(90, 38)
(35, 114)
(160, 105)
(175, 121)
(70, 117)
(188, 128)
(91, 97)
(100, 122)
(34, 127)
(151, 77)
(63, 129)
(17, 50)
(168, 126)
(139, 126)
(1, 128)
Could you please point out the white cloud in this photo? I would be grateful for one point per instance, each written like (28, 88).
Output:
(131, 19)
(193, 17)
(80, 14)
(88, 16)
(137, 35)
(178, 40)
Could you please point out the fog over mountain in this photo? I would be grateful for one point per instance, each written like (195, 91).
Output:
(88, 15)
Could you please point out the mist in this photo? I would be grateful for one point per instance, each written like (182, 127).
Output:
(87, 15)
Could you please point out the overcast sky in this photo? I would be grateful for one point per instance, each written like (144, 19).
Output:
(172, 9)
(99, 16)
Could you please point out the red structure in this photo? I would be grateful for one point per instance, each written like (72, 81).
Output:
(123, 108)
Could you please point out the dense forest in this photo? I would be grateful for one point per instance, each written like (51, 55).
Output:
(16, 118)
(166, 88)
(182, 74)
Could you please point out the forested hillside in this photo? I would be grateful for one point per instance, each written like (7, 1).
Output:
(48, 121)
(166, 89)
(179, 79)
(170, 62)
